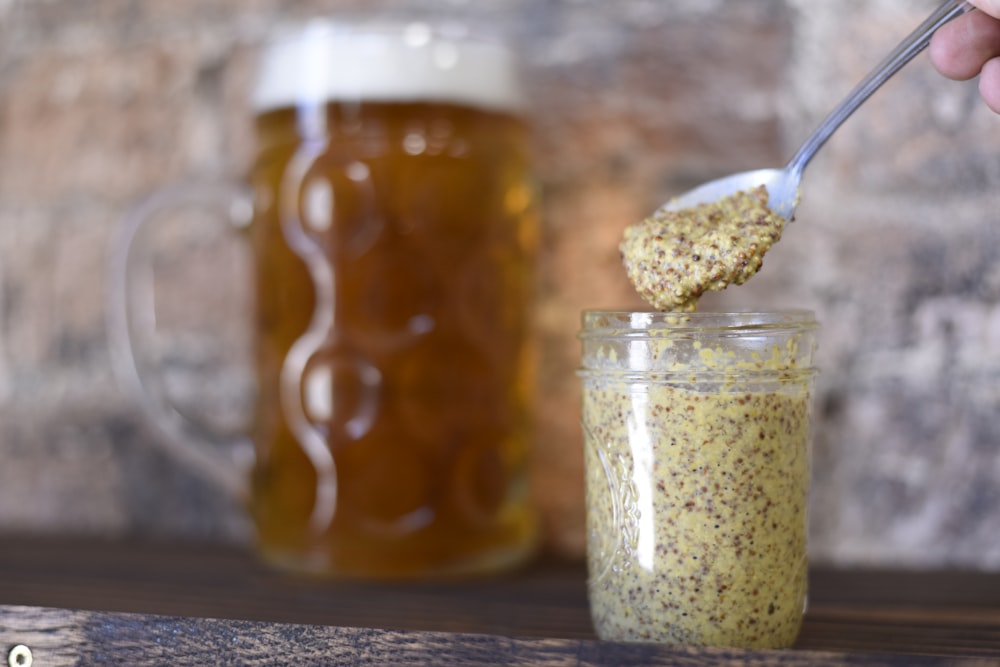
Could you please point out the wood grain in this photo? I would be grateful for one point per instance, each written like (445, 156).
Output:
(59, 637)
(158, 592)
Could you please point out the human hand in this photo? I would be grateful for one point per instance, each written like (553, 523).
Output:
(970, 46)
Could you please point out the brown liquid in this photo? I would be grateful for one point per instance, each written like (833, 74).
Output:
(426, 216)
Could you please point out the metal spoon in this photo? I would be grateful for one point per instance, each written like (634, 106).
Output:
(783, 184)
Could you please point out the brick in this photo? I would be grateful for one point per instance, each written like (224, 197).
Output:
(102, 101)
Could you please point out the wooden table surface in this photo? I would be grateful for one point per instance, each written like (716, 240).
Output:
(88, 602)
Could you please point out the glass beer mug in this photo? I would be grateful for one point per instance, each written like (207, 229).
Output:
(392, 227)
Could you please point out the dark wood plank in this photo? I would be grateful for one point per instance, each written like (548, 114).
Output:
(871, 612)
(58, 637)
(910, 631)
(918, 588)
(546, 600)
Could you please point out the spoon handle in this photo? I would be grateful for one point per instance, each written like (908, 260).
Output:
(916, 42)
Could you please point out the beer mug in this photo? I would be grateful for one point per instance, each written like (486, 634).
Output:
(391, 218)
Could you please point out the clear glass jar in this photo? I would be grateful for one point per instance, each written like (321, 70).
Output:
(697, 451)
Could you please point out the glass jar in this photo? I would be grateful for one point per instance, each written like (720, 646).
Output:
(697, 454)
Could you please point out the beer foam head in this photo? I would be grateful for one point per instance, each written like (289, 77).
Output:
(340, 62)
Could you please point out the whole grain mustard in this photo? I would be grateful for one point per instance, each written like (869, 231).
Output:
(696, 512)
(697, 442)
(673, 257)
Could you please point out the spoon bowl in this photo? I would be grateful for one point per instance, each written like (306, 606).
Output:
(783, 184)
(782, 190)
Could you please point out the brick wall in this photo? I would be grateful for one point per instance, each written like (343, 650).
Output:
(896, 245)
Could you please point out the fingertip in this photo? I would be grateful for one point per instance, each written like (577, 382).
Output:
(942, 53)
(952, 50)
(991, 7)
(989, 84)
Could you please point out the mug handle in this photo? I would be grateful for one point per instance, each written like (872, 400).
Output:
(224, 461)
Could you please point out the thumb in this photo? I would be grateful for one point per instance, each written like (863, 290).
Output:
(991, 7)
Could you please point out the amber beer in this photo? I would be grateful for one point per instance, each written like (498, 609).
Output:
(393, 238)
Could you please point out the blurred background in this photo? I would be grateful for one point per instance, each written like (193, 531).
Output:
(896, 246)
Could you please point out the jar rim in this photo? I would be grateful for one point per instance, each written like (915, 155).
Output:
(636, 323)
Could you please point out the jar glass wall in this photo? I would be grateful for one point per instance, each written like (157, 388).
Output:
(697, 448)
